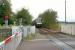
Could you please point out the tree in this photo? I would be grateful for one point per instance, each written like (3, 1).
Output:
(25, 16)
(5, 10)
(49, 19)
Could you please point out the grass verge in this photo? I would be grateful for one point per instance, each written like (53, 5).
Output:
(30, 36)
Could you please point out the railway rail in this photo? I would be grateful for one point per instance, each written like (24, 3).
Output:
(65, 42)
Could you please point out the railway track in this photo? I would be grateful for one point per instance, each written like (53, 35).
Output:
(63, 41)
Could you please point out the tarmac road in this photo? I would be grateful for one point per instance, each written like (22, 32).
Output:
(48, 42)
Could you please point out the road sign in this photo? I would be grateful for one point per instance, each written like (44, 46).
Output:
(5, 17)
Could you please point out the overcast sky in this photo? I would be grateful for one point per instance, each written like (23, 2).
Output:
(36, 7)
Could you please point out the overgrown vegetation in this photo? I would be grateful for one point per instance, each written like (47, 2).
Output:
(5, 33)
(30, 36)
(49, 19)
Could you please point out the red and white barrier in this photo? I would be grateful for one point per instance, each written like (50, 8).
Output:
(12, 42)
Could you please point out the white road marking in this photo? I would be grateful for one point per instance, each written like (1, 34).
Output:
(39, 39)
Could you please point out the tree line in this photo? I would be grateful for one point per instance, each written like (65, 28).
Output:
(5, 10)
(49, 19)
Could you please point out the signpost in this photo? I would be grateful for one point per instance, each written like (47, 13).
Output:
(6, 20)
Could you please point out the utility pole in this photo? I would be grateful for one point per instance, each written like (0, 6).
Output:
(65, 11)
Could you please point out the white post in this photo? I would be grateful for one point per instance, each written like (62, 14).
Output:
(6, 23)
(20, 21)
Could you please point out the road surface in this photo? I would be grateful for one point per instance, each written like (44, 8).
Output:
(48, 42)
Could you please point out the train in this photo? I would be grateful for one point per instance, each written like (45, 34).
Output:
(37, 23)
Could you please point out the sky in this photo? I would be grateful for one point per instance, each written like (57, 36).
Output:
(36, 7)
